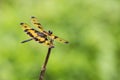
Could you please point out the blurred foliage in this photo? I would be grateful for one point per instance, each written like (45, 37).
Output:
(91, 26)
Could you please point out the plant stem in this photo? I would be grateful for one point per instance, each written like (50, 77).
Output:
(45, 64)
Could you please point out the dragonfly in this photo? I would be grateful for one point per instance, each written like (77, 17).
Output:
(40, 35)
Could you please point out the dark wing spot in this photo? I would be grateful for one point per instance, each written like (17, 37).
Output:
(55, 37)
(39, 27)
(36, 39)
(33, 29)
(32, 17)
(21, 23)
(38, 23)
(25, 26)
(26, 30)
(30, 34)
(66, 42)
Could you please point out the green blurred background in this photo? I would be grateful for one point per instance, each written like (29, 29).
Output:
(91, 26)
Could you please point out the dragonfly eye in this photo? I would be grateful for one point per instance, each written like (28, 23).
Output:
(50, 32)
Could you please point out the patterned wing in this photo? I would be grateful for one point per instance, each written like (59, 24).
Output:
(39, 26)
(36, 23)
(58, 39)
(36, 35)
(53, 37)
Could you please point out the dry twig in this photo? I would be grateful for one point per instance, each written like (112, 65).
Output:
(45, 62)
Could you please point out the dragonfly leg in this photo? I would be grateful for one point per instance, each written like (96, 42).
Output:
(27, 40)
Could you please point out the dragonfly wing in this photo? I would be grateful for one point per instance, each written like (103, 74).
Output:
(36, 23)
(58, 39)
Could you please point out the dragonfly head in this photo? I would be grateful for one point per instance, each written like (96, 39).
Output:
(50, 32)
